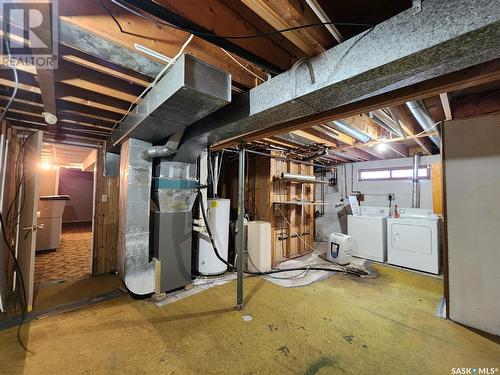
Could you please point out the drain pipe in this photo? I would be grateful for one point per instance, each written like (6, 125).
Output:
(415, 198)
(169, 148)
(421, 114)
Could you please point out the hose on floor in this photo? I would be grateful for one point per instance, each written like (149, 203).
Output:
(260, 273)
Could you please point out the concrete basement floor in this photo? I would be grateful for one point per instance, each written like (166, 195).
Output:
(340, 325)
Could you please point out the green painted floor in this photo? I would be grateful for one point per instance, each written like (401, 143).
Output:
(339, 325)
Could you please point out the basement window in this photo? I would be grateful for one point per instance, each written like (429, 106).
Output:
(387, 174)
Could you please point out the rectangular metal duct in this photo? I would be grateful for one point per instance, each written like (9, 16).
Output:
(135, 267)
(189, 91)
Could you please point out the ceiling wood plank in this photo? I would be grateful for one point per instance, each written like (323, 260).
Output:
(323, 16)
(283, 17)
(445, 102)
(84, 25)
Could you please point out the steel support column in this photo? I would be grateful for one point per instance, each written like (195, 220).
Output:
(241, 229)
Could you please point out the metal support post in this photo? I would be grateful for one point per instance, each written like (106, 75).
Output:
(241, 229)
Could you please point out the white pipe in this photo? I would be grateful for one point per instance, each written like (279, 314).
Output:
(415, 198)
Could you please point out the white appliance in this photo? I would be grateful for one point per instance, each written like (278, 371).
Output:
(414, 240)
(218, 220)
(259, 246)
(339, 248)
(49, 220)
(368, 231)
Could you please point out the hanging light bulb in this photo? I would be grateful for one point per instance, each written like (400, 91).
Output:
(382, 146)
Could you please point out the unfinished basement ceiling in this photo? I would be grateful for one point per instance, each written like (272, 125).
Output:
(104, 65)
(96, 82)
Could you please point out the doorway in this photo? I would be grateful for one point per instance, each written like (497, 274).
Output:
(66, 190)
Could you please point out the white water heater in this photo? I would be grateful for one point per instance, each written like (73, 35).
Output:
(218, 220)
(339, 248)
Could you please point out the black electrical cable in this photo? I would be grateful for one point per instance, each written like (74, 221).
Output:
(200, 197)
(21, 180)
(23, 300)
(211, 35)
(16, 82)
(204, 215)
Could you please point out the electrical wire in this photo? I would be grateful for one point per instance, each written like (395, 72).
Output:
(19, 273)
(158, 77)
(243, 66)
(250, 36)
(339, 269)
(16, 82)
(426, 130)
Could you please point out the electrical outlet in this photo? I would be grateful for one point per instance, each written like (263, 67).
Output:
(391, 197)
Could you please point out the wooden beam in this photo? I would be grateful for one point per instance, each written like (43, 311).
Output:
(62, 130)
(445, 102)
(26, 116)
(89, 162)
(48, 92)
(470, 77)
(409, 125)
(477, 104)
(334, 133)
(283, 17)
(160, 38)
(321, 14)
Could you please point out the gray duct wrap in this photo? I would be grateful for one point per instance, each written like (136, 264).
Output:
(135, 268)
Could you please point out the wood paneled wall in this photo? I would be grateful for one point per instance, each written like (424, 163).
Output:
(105, 219)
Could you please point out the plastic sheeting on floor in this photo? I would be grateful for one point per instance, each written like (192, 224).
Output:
(200, 284)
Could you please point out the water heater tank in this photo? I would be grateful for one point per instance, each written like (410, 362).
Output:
(218, 220)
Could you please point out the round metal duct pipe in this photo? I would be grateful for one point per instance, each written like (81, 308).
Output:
(421, 114)
(345, 128)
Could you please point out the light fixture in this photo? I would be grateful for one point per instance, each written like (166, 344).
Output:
(49, 118)
(152, 53)
(46, 166)
(382, 146)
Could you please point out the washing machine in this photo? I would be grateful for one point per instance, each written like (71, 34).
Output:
(413, 240)
(368, 231)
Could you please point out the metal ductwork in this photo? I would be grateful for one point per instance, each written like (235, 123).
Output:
(415, 197)
(385, 121)
(168, 149)
(188, 92)
(421, 114)
(444, 37)
(345, 128)
(134, 265)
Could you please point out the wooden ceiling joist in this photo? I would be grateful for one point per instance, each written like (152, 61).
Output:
(311, 41)
(470, 77)
(165, 40)
(48, 92)
(62, 129)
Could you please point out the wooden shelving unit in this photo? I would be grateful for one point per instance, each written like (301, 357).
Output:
(279, 201)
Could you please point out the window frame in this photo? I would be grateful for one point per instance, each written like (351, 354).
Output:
(390, 169)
